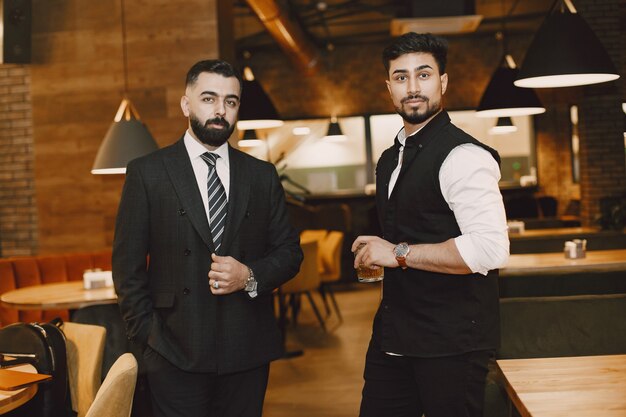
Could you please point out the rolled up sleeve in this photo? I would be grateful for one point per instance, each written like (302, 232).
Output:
(469, 183)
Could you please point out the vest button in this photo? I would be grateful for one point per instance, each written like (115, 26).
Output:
(186, 291)
(181, 212)
(187, 252)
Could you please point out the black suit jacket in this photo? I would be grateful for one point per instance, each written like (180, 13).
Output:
(161, 258)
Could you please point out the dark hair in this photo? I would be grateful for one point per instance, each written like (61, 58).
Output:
(215, 66)
(417, 42)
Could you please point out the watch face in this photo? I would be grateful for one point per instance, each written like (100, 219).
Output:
(401, 250)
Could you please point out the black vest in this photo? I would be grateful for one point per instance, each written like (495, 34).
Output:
(428, 314)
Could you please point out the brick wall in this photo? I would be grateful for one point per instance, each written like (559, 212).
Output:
(603, 173)
(18, 209)
(554, 152)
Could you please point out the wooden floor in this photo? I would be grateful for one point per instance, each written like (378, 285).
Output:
(327, 380)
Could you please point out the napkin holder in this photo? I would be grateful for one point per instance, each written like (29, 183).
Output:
(95, 278)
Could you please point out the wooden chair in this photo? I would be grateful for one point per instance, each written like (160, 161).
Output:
(85, 349)
(115, 396)
(307, 280)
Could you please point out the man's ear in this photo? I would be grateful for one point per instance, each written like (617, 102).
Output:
(184, 105)
(388, 86)
(444, 83)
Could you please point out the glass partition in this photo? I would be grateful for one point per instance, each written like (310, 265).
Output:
(308, 159)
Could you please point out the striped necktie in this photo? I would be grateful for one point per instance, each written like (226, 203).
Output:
(218, 204)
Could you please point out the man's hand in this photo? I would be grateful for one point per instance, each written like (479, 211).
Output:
(227, 274)
(376, 252)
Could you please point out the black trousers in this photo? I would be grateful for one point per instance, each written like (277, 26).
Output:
(177, 393)
(402, 386)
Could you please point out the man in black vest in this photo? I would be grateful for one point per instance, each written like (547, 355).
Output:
(444, 236)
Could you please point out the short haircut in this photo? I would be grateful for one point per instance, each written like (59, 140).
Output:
(417, 42)
(215, 66)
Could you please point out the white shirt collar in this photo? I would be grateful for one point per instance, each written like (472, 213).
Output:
(402, 135)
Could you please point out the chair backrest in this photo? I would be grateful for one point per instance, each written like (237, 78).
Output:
(85, 349)
(115, 396)
(308, 278)
(313, 234)
(317, 235)
(330, 255)
(548, 205)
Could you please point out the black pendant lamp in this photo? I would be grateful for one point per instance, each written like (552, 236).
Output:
(503, 126)
(503, 99)
(257, 110)
(128, 137)
(334, 133)
(565, 52)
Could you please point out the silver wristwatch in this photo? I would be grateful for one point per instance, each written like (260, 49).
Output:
(251, 284)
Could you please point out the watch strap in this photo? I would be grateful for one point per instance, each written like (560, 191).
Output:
(402, 262)
(251, 284)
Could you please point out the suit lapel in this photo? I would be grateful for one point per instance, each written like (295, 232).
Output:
(183, 179)
(237, 197)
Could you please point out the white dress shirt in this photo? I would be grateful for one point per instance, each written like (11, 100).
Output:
(469, 184)
(201, 169)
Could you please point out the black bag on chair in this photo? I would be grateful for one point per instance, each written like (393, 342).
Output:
(43, 346)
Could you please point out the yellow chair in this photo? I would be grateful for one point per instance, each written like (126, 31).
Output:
(305, 281)
(85, 349)
(330, 257)
(328, 262)
(115, 396)
(313, 234)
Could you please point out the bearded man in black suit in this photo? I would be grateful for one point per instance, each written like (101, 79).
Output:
(202, 239)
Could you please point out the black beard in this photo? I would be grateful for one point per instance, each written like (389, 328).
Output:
(208, 135)
(416, 118)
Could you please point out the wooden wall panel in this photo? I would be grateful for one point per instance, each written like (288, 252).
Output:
(77, 85)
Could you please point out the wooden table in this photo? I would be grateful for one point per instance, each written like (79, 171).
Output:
(10, 400)
(592, 386)
(556, 263)
(61, 296)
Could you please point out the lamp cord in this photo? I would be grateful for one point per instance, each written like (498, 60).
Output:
(124, 52)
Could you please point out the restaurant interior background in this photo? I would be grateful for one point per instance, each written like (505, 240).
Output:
(57, 108)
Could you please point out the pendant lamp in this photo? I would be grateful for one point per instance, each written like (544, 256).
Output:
(257, 110)
(503, 126)
(565, 52)
(128, 137)
(503, 99)
(334, 133)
